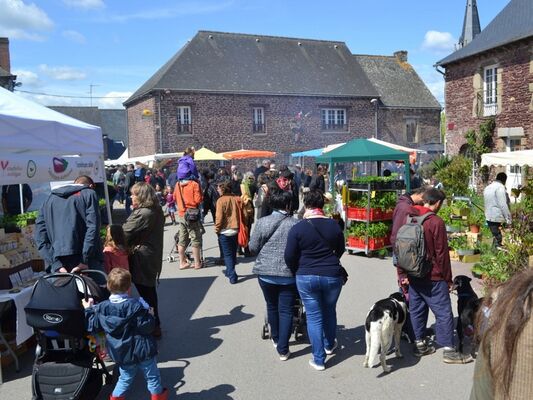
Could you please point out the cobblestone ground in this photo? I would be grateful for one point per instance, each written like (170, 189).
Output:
(212, 349)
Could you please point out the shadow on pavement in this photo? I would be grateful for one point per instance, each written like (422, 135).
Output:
(220, 392)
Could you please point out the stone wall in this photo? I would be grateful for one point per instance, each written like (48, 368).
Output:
(515, 99)
(223, 122)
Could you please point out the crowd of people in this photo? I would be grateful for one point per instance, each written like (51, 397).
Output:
(275, 215)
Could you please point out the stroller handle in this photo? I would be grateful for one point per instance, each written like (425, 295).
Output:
(88, 272)
(67, 275)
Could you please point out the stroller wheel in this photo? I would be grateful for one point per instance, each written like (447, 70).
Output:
(265, 332)
(170, 259)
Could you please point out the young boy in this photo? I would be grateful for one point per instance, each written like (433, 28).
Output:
(128, 324)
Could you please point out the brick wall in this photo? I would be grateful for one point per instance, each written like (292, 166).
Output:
(223, 122)
(143, 138)
(515, 63)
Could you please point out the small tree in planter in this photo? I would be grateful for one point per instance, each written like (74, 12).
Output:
(456, 175)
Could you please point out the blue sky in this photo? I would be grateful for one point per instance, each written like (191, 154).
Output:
(62, 47)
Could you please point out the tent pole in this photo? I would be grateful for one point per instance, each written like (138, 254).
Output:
(407, 176)
(21, 197)
(331, 177)
(106, 191)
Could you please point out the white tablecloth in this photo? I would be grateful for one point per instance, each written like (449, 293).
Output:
(21, 299)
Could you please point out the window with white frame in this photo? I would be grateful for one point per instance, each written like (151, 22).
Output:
(411, 130)
(258, 115)
(184, 119)
(334, 119)
(514, 145)
(490, 93)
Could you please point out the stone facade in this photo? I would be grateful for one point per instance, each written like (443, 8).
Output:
(223, 122)
(515, 95)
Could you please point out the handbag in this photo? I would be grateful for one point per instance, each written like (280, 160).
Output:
(191, 214)
(243, 236)
(343, 272)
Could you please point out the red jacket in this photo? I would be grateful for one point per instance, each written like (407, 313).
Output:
(437, 249)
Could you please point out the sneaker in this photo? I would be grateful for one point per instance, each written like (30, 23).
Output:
(316, 366)
(330, 351)
(274, 344)
(454, 357)
(422, 348)
(285, 357)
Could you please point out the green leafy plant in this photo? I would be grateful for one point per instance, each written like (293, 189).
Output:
(20, 220)
(480, 141)
(374, 230)
(455, 177)
(458, 242)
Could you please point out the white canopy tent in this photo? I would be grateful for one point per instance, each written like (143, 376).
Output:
(147, 160)
(520, 158)
(39, 145)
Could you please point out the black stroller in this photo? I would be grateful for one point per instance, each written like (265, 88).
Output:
(65, 367)
(299, 322)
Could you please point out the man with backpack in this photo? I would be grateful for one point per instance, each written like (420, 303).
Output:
(421, 246)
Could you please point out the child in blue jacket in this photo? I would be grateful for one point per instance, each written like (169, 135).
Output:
(128, 324)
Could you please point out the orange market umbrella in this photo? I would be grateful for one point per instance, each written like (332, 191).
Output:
(243, 153)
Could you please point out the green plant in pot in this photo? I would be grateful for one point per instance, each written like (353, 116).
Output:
(476, 219)
(460, 208)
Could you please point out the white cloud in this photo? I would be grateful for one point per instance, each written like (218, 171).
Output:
(74, 36)
(27, 78)
(190, 8)
(19, 20)
(62, 73)
(439, 42)
(113, 99)
(85, 4)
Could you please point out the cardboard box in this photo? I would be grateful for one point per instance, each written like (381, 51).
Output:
(471, 258)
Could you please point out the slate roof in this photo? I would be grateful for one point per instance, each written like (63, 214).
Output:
(397, 82)
(112, 122)
(513, 23)
(256, 64)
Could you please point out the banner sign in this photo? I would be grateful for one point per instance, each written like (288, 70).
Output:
(18, 168)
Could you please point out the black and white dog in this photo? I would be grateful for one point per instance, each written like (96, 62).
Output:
(383, 322)
(467, 306)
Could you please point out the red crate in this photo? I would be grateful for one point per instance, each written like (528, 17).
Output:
(355, 213)
(376, 243)
(386, 214)
(387, 240)
(375, 214)
(358, 242)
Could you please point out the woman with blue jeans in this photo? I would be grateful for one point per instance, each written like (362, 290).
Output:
(313, 249)
(275, 278)
(227, 228)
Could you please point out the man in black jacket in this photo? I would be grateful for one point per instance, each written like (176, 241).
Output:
(67, 230)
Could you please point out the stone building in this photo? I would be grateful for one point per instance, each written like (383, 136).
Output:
(491, 76)
(230, 91)
(7, 79)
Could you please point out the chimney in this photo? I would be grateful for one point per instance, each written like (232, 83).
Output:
(5, 62)
(401, 55)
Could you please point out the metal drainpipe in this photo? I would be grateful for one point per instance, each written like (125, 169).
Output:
(160, 128)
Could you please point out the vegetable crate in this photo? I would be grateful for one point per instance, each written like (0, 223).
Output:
(357, 242)
(361, 213)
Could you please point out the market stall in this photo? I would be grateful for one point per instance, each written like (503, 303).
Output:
(39, 145)
(148, 160)
(368, 202)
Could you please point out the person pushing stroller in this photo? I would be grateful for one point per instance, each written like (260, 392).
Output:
(128, 324)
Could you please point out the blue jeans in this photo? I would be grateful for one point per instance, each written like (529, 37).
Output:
(280, 301)
(128, 372)
(434, 295)
(319, 295)
(229, 250)
(128, 205)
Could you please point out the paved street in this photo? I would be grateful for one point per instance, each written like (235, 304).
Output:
(211, 346)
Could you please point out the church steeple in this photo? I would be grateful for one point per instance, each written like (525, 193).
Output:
(471, 26)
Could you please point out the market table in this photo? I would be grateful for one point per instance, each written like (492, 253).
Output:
(23, 330)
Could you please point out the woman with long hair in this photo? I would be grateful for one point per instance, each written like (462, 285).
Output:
(227, 227)
(276, 280)
(504, 366)
(144, 235)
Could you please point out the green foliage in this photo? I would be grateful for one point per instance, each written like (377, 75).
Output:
(458, 242)
(20, 220)
(386, 200)
(440, 163)
(374, 229)
(480, 142)
(370, 179)
(102, 203)
(456, 175)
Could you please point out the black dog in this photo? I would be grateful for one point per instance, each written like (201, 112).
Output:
(467, 306)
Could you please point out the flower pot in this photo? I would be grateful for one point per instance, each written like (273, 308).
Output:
(465, 252)
(474, 228)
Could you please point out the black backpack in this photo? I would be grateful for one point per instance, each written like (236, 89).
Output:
(410, 247)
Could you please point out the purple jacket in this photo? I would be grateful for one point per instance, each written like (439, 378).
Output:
(187, 168)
